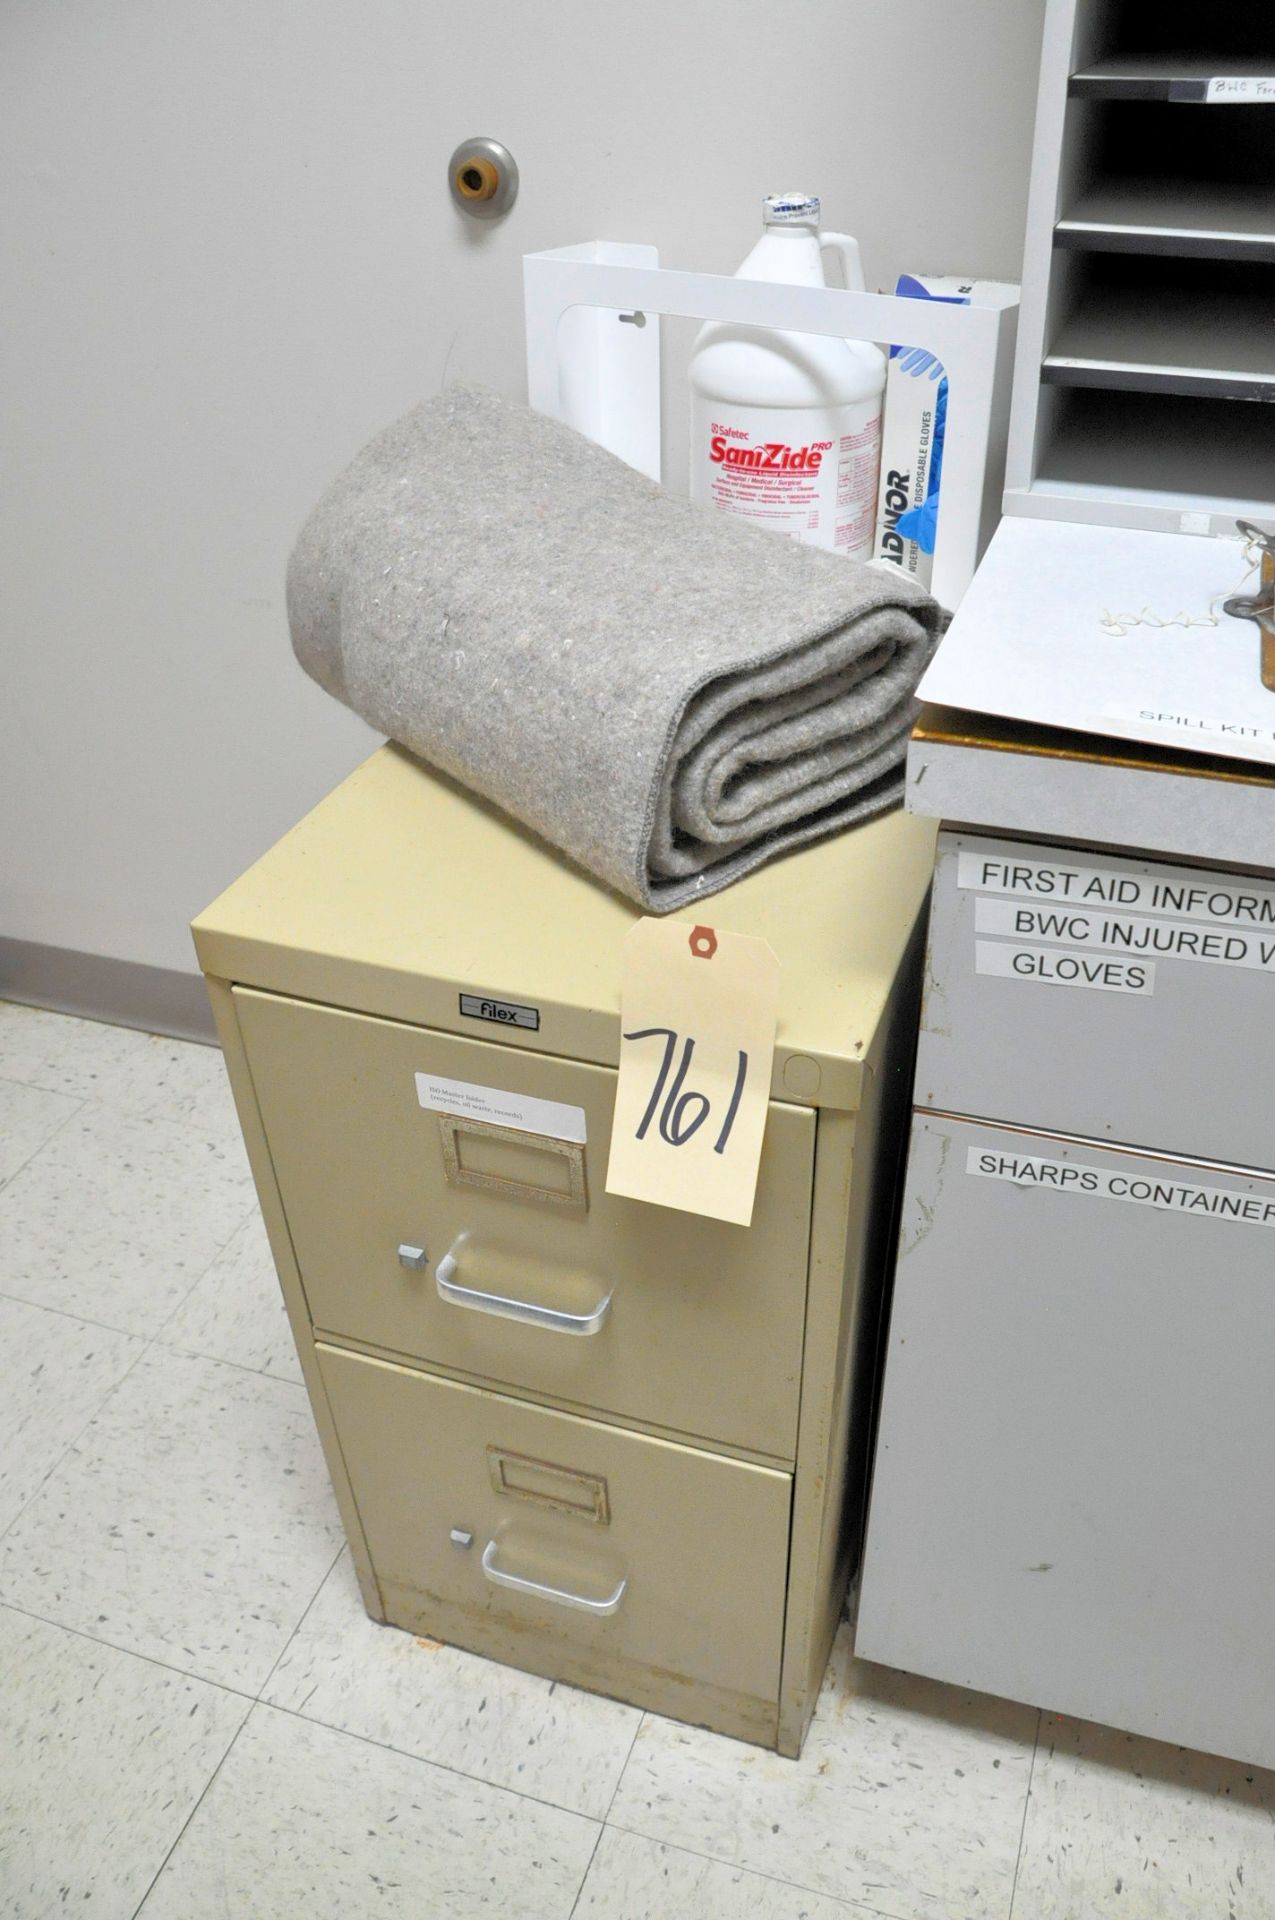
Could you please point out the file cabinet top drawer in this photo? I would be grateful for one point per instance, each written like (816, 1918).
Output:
(403, 895)
(1129, 1000)
(496, 1251)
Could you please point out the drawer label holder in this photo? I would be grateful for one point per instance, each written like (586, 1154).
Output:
(565, 1489)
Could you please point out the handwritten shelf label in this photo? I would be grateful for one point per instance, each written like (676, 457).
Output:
(1239, 90)
(1139, 1189)
(698, 1008)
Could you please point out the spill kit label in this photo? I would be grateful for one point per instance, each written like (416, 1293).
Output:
(1139, 1189)
(499, 1108)
(1058, 967)
(1176, 725)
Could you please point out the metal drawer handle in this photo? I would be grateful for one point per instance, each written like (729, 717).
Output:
(450, 1289)
(559, 1595)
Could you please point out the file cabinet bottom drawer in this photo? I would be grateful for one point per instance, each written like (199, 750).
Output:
(635, 1567)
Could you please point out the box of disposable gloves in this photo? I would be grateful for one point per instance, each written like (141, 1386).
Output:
(914, 427)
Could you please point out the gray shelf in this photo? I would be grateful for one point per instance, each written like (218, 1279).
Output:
(1162, 336)
(1182, 77)
(1162, 451)
(1163, 215)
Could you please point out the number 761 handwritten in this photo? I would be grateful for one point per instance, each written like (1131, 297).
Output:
(675, 1126)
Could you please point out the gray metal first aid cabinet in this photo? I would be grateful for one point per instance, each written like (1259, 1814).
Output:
(1073, 1498)
(610, 1442)
(1074, 1492)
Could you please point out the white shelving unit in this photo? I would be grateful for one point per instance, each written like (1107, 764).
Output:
(1119, 601)
(1145, 387)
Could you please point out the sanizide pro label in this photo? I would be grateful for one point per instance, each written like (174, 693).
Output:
(764, 464)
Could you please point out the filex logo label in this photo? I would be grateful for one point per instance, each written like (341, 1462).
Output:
(501, 1013)
(773, 456)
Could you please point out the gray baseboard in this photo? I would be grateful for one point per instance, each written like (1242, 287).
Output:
(124, 992)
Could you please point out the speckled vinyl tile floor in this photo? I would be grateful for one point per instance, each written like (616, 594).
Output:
(198, 1722)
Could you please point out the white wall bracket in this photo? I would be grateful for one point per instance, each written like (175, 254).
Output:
(593, 360)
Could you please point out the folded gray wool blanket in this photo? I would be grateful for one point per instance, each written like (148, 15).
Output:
(668, 695)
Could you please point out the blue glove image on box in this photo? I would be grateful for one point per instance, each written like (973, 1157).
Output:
(921, 523)
(917, 360)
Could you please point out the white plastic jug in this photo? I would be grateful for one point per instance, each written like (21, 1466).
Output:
(786, 427)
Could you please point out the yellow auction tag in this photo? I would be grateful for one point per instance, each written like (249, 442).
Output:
(697, 1022)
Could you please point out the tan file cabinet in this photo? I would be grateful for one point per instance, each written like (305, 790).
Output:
(605, 1441)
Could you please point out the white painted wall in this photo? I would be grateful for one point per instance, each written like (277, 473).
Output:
(230, 256)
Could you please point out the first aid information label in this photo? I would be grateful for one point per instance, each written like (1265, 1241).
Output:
(1082, 926)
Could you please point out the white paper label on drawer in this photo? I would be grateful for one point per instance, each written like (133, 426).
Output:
(1239, 90)
(500, 1108)
(1059, 967)
(1139, 1189)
